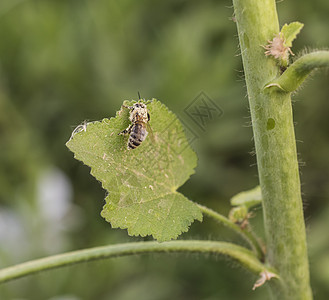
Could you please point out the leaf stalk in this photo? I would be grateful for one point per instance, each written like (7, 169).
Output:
(243, 256)
(294, 76)
(245, 234)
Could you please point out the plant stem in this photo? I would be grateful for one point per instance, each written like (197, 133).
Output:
(275, 144)
(242, 255)
(293, 77)
(245, 234)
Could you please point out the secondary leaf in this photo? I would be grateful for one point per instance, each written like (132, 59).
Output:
(279, 46)
(290, 32)
(141, 183)
(248, 198)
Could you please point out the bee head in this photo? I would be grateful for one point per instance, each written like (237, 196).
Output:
(139, 105)
(139, 113)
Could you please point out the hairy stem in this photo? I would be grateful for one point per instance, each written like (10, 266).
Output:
(275, 144)
(242, 255)
(293, 77)
(245, 234)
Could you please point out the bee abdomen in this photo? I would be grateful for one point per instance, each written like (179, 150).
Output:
(137, 136)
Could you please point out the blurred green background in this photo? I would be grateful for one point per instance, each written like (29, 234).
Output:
(63, 62)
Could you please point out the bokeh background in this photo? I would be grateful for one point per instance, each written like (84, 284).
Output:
(63, 62)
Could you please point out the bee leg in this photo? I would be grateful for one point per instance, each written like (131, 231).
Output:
(126, 131)
(125, 106)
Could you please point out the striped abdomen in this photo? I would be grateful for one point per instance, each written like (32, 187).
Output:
(137, 135)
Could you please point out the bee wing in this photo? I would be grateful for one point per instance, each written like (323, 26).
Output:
(150, 132)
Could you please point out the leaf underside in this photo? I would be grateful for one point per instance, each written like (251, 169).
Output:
(141, 183)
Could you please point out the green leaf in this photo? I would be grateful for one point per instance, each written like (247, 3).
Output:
(248, 198)
(290, 32)
(141, 183)
(238, 214)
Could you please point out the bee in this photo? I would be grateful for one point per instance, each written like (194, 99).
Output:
(139, 118)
